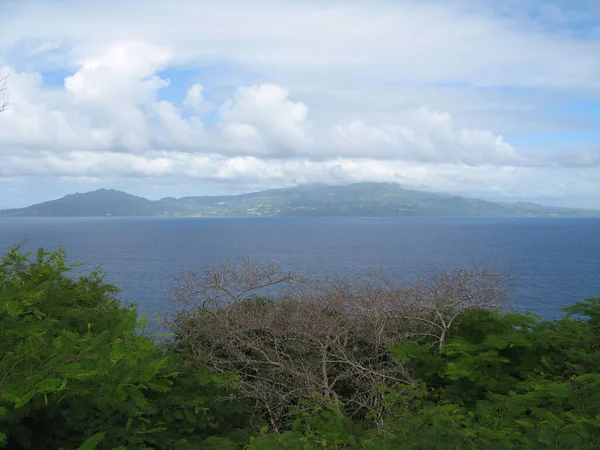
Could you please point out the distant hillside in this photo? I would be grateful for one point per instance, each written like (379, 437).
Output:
(103, 202)
(354, 200)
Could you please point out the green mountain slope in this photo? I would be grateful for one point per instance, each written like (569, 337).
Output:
(103, 202)
(354, 200)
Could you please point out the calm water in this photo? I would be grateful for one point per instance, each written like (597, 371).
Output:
(554, 262)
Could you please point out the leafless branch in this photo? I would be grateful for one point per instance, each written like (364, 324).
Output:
(290, 337)
(3, 93)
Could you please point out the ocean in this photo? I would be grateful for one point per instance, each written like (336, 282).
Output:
(552, 262)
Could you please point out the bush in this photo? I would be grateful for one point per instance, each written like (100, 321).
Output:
(326, 340)
(78, 371)
(74, 371)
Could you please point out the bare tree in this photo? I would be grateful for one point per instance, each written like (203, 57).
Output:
(3, 95)
(327, 338)
(435, 302)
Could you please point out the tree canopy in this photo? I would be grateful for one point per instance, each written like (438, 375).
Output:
(74, 371)
(79, 370)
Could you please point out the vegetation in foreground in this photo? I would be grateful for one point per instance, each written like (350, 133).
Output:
(263, 359)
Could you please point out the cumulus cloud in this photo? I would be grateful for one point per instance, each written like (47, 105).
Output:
(124, 74)
(195, 102)
(428, 136)
(38, 117)
(264, 113)
(433, 95)
(102, 109)
(102, 105)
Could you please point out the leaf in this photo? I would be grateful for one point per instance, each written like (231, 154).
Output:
(13, 309)
(456, 372)
(524, 423)
(48, 385)
(92, 442)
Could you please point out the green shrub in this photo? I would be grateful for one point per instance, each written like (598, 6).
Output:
(73, 368)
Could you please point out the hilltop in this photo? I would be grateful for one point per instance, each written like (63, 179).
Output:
(354, 200)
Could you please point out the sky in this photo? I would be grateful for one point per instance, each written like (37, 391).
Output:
(495, 100)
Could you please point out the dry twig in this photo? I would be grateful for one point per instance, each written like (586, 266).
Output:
(290, 337)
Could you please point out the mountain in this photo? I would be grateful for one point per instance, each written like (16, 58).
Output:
(103, 202)
(354, 200)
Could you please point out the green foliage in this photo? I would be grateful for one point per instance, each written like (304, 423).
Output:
(74, 373)
(92, 442)
(77, 371)
(316, 425)
(504, 381)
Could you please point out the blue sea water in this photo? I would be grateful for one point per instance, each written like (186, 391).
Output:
(553, 262)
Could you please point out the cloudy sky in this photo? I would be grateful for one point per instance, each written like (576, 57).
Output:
(494, 99)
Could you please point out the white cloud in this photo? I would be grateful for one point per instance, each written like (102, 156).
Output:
(172, 168)
(39, 117)
(425, 135)
(116, 86)
(266, 112)
(124, 74)
(426, 41)
(430, 94)
(103, 104)
(195, 101)
(243, 138)
(177, 131)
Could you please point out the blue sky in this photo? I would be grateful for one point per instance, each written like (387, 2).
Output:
(497, 100)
